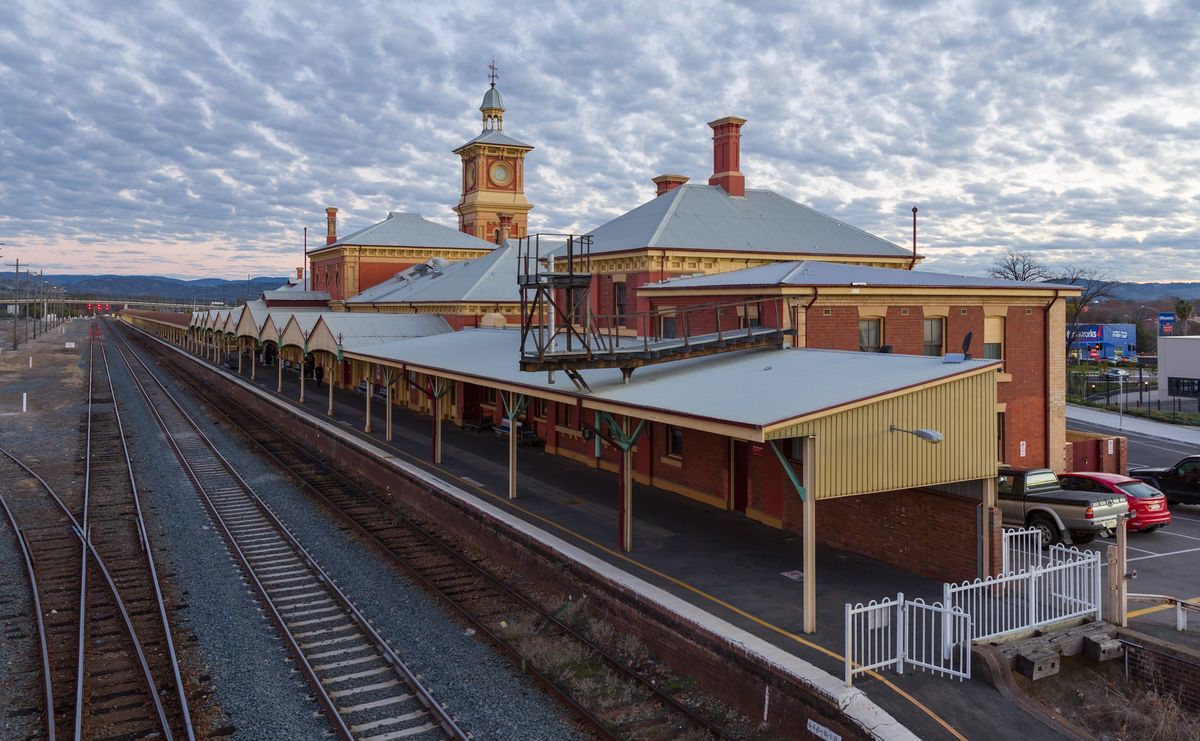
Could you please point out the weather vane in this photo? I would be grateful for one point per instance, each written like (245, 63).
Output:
(493, 74)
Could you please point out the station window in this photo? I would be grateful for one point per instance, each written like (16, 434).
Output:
(934, 336)
(870, 334)
(619, 299)
(667, 327)
(795, 449)
(674, 441)
(489, 396)
(539, 408)
(562, 414)
(748, 316)
(993, 337)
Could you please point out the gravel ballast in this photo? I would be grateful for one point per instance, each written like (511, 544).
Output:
(488, 697)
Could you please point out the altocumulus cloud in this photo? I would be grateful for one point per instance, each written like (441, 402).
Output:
(197, 131)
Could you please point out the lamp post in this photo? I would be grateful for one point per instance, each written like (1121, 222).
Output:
(921, 433)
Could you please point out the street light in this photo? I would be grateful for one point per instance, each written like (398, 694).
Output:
(922, 433)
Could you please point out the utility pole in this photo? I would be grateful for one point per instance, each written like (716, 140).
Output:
(16, 299)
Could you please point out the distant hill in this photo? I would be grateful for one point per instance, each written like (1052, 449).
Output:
(1156, 291)
(204, 290)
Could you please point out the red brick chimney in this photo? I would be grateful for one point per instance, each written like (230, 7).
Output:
(666, 183)
(727, 138)
(505, 227)
(330, 225)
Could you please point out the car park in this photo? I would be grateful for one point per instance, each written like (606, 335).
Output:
(1034, 497)
(1180, 483)
(1148, 505)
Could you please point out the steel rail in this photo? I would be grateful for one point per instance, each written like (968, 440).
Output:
(551, 686)
(37, 602)
(84, 533)
(78, 532)
(144, 537)
(440, 714)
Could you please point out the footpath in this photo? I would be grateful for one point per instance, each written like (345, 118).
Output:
(1134, 425)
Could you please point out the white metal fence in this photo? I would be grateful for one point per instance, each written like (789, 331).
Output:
(891, 633)
(1065, 586)
(1021, 550)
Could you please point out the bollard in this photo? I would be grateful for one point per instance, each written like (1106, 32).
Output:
(24, 401)
(30, 361)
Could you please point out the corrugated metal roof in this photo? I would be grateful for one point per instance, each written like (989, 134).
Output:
(291, 294)
(756, 388)
(491, 278)
(492, 99)
(705, 217)
(819, 273)
(362, 330)
(496, 137)
(411, 230)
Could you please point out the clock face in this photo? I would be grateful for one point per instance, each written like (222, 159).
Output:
(501, 173)
(471, 175)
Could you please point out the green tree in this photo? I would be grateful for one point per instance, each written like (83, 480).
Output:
(1183, 316)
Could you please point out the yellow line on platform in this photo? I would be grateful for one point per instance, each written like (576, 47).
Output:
(1158, 608)
(694, 590)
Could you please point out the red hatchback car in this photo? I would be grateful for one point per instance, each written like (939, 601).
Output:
(1148, 505)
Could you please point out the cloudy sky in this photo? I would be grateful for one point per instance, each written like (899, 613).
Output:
(194, 139)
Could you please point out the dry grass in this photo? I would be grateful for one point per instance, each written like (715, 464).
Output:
(1100, 700)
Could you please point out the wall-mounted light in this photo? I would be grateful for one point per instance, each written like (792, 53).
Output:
(929, 436)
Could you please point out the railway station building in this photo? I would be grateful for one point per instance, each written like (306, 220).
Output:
(794, 370)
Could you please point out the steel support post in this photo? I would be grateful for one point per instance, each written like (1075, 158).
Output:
(302, 377)
(810, 536)
(388, 413)
(331, 379)
(240, 353)
(627, 495)
(436, 411)
(253, 359)
(279, 371)
(370, 388)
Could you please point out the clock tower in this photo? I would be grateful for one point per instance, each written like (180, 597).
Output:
(493, 176)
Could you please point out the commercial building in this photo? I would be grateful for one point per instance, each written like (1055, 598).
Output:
(1116, 343)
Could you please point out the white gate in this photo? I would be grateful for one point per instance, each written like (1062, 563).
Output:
(1066, 586)
(894, 632)
(1021, 550)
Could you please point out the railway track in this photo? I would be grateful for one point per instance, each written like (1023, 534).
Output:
(366, 691)
(632, 707)
(110, 669)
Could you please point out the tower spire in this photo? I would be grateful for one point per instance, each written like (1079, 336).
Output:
(493, 72)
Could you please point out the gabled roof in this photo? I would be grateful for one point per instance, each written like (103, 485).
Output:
(705, 217)
(410, 230)
(488, 279)
(818, 273)
(363, 330)
(496, 137)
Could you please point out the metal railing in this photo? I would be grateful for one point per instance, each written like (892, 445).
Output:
(1067, 586)
(891, 633)
(1021, 550)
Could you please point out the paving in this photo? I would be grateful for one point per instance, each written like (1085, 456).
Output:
(739, 570)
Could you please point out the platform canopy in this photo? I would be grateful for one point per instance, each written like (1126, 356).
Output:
(766, 395)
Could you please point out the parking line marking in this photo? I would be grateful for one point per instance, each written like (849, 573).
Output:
(1141, 550)
(1157, 608)
(1160, 555)
(1180, 535)
(1181, 517)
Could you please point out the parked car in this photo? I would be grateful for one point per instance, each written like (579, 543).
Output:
(1180, 483)
(1033, 497)
(1148, 505)
(1116, 373)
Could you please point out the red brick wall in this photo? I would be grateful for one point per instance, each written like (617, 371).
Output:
(323, 275)
(926, 532)
(374, 273)
(838, 331)
(705, 460)
(1025, 394)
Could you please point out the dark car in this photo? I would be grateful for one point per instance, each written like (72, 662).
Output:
(1180, 483)
(1148, 505)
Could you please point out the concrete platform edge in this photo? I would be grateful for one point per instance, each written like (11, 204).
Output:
(852, 702)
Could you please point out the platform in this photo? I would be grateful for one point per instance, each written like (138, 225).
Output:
(725, 564)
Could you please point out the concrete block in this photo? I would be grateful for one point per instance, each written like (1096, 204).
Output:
(1038, 663)
(1102, 649)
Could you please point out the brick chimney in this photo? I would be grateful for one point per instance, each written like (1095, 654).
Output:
(330, 225)
(666, 183)
(727, 138)
(505, 227)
